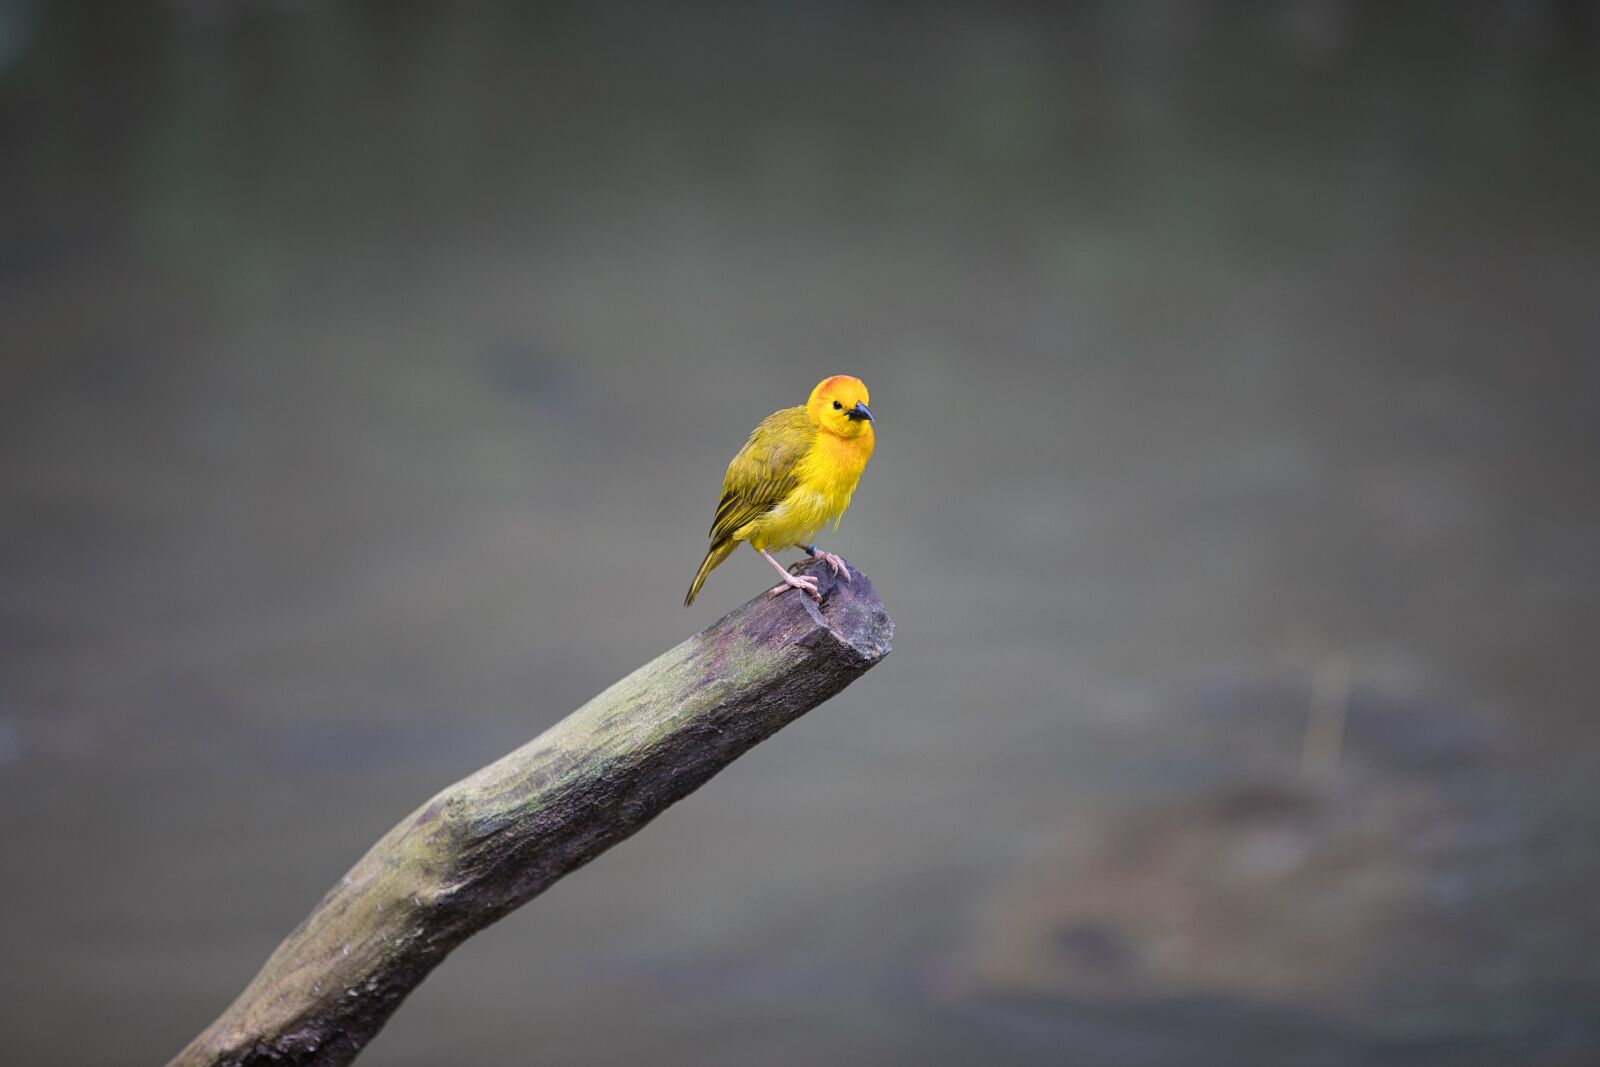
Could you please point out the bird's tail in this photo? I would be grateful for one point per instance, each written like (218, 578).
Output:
(719, 551)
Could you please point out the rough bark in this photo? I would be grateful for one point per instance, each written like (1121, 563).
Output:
(496, 839)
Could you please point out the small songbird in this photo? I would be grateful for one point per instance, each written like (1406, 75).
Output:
(794, 476)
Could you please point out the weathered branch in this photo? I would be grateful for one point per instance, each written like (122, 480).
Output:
(494, 840)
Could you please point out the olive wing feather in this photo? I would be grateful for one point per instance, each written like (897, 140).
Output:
(763, 472)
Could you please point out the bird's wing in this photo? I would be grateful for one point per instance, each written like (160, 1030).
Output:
(763, 472)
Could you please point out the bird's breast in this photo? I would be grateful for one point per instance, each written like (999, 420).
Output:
(840, 459)
(832, 471)
(827, 479)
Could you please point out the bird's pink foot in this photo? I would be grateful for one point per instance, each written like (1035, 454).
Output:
(797, 581)
(837, 563)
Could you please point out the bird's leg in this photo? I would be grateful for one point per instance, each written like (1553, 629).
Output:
(791, 581)
(837, 563)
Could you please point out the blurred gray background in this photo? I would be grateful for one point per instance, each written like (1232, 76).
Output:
(367, 372)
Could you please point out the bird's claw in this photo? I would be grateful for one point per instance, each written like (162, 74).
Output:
(797, 581)
(835, 562)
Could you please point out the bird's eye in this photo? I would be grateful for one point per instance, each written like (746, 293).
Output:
(838, 406)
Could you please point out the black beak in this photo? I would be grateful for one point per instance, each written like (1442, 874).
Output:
(859, 412)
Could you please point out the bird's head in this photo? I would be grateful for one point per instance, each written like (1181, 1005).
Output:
(839, 405)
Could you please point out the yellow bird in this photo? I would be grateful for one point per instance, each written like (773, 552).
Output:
(794, 476)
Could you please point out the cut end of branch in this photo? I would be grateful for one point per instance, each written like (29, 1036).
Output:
(849, 613)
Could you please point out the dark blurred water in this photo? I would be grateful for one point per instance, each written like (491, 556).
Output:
(367, 372)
